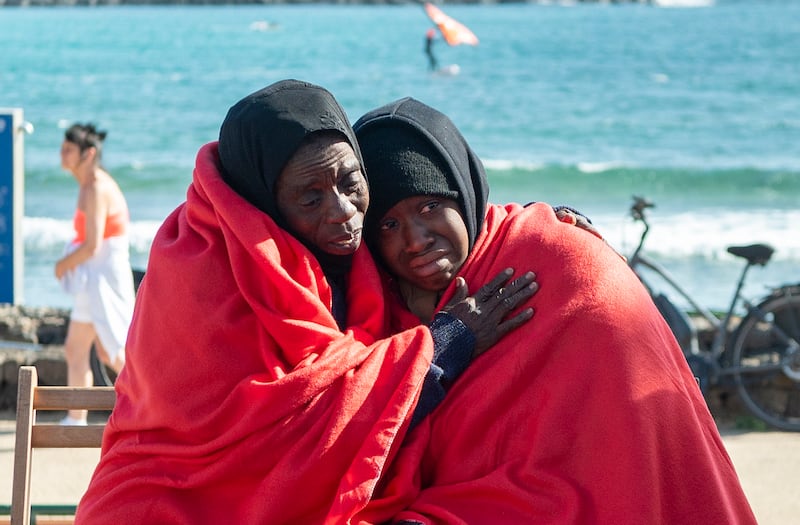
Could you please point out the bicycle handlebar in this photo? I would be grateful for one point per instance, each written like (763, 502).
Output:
(638, 207)
(637, 212)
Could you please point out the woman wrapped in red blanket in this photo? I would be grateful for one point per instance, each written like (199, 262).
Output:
(588, 415)
(258, 388)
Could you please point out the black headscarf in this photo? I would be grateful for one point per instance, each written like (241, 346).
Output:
(411, 149)
(260, 134)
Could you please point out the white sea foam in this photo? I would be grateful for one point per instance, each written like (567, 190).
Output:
(47, 235)
(598, 167)
(503, 166)
(704, 235)
(682, 3)
(707, 235)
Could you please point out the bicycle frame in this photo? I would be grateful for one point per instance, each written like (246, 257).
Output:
(645, 261)
(719, 326)
(639, 259)
(762, 354)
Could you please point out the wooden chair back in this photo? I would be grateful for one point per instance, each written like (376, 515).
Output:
(29, 434)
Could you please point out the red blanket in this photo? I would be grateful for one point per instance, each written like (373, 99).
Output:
(588, 414)
(241, 401)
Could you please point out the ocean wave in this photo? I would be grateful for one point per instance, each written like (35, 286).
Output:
(605, 186)
(44, 235)
(690, 245)
(598, 167)
(701, 236)
(672, 236)
(682, 3)
(501, 167)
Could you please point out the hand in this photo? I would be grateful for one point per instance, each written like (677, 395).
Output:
(568, 216)
(60, 269)
(485, 312)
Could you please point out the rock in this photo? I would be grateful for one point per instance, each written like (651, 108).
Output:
(34, 325)
(35, 336)
(31, 336)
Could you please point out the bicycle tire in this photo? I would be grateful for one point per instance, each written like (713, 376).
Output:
(768, 367)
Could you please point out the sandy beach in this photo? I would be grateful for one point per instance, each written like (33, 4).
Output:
(768, 464)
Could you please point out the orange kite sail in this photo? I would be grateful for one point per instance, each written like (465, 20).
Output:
(453, 31)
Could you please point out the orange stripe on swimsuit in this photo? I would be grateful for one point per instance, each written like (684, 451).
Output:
(116, 225)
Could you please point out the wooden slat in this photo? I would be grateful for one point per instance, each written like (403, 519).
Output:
(30, 435)
(57, 436)
(21, 488)
(69, 398)
(43, 514)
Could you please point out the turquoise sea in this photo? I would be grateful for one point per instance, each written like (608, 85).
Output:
(581, 104)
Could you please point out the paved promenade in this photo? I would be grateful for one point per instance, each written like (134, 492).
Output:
(768, 464)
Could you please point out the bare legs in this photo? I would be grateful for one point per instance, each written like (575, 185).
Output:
(76, 351)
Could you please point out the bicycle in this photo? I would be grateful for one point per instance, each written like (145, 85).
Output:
(760, 355)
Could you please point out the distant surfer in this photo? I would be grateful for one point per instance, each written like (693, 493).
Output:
(429, 36)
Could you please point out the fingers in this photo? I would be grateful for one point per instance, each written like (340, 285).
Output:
(491, 288)
(515, 293)
(462, 291)
(567, 216)
(520, 283)
(485, 313)
(586, 225)
(518, 294)
(514, 322)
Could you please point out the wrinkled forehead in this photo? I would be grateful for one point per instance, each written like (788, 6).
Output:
(319, 152)
(320, 141)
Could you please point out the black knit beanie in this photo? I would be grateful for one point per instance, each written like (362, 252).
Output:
(410, 125)
(400, 163)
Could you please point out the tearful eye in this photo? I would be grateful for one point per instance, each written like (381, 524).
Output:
(388, 225)
(430, 206)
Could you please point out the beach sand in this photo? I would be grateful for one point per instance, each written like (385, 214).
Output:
(768, 464)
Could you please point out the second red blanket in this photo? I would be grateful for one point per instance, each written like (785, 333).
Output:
(587, 415)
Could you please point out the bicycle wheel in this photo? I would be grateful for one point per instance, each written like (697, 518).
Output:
(766, 354)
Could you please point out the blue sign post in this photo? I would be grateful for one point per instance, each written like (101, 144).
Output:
(11, 204)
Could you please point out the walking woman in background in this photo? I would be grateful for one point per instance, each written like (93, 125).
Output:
(96, 268)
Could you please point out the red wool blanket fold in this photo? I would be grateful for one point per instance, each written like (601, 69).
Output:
(587, 415)
(241, 401)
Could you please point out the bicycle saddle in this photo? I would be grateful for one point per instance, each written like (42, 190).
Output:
(754, 253)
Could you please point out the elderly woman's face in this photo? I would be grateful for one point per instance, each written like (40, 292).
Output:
(323, 195)
(424, 241)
